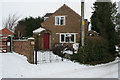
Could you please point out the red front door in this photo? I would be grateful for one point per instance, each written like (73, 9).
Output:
(46, 41)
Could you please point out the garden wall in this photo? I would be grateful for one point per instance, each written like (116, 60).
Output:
(25, 47)
(20, 46)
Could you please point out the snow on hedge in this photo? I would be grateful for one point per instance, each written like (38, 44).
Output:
(16, 66)
(76, 46)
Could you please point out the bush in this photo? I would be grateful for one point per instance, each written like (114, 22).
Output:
(95, 51)
(59, 48)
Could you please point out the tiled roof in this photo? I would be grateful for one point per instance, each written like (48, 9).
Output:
(6, 31)
(48, 14)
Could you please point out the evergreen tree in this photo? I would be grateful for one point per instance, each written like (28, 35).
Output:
(30, 24)
(102, 21)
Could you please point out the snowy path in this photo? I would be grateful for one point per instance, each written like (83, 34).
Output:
(16, 66)
(0, 67)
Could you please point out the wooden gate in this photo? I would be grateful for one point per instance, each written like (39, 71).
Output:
(3, 44)
(46, 57)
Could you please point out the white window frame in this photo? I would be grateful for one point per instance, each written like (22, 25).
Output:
(59, 20)
(66, 36)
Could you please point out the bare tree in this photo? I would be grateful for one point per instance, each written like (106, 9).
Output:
(11, 21)
(20, 31)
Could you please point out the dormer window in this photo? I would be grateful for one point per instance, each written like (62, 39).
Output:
(45, 18)
(59, 20)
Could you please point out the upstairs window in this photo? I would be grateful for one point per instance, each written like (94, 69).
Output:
(59, 20)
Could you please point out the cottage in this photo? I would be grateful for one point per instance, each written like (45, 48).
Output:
(61, 27)
(4, 44)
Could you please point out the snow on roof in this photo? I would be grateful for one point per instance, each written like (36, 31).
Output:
(38, 30)
(31, 38)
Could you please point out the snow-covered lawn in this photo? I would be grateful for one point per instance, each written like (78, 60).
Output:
(16, 66)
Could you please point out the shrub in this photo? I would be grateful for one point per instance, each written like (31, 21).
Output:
(59, 48)
(95, 51)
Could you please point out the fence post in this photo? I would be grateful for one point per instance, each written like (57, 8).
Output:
(9, 43)
(30, 56)
(73, 51)
(35, 56)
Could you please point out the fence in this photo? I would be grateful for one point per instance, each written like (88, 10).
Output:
(47, 57)
(5, 44)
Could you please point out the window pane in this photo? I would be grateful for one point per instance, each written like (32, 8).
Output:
(57, 20)
(72, 37)
(62, 20)
(62, 38)
(67, 39)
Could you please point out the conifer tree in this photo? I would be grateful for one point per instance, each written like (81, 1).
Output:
(102, 21)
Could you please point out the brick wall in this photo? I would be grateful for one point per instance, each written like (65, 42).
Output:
(25, 47)
(20, 46)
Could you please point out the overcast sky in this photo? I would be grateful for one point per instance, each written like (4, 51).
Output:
(35, 8)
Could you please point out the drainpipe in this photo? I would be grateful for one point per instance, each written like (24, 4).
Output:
(82, 24)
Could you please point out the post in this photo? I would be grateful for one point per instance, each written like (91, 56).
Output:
(9, 43)
(35, 56)
(62, 59)
(30, 56)
(82, 23)
(73, 51)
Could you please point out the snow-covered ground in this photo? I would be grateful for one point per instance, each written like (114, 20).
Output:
(16, 66)
(0, 66)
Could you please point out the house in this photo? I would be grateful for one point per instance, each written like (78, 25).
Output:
(61, 27)
(4, 34)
